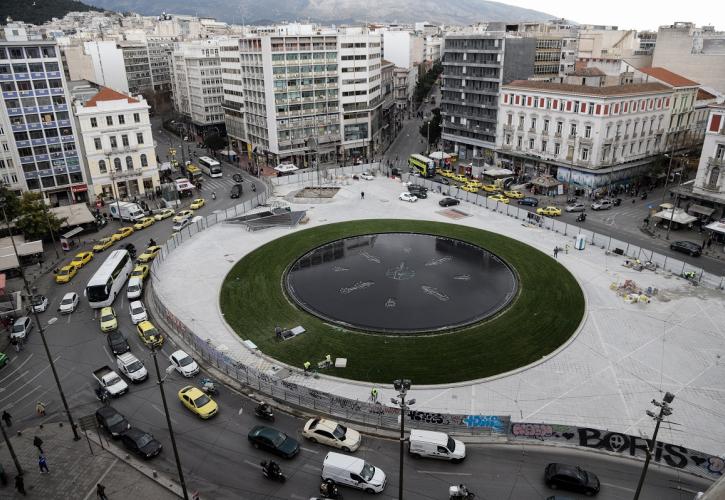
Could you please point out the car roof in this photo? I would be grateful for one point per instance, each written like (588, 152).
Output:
(147, 325)
(106, 309)
(136, 303)
(69, 295)
(176, 354)
(324, 424)
(21, 319)
(342, 461)
(107, 411)
(193, 392)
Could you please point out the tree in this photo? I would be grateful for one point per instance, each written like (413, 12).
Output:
(435, 127)
(35, 219)
(215, 142)
(11, 202)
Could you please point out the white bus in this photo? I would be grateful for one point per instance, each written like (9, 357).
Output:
(210, 167)
(109, 279)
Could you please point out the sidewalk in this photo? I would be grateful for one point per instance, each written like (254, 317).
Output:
(75, 470)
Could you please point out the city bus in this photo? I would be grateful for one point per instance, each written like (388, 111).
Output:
(210, 167)
(423, 165)
(108, 281)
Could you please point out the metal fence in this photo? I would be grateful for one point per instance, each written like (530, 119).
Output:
(330, 176)
(374, 414)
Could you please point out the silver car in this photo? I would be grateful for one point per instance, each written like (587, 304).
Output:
(576, 207)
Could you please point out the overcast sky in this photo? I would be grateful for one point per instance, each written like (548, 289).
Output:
(632, 14)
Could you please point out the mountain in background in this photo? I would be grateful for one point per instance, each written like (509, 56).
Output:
(39, 11)
(462, 12)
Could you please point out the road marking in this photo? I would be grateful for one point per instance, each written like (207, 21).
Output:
(29, 381)
(27, 394)
(18, 368)
(93, 488)
(162, 413)
(252, 464)
(438, 473)
(309, 450)
(241, 410)
(311, 467)
(618, 487)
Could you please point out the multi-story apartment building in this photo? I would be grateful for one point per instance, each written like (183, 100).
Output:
(138, 65)
(197, 85)
(406, 50)
(585, 136)
(709, 186)
(40, 146)
(695, 53)
(475, 65)
(233, 103)
(159, 50)
(99, 61)
(390, 124)
(117, 141)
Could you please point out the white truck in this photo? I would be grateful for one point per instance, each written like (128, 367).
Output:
(125, 210)
(131, 367)
(110, 381)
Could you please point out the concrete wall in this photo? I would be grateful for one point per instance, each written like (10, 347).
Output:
(518, 59)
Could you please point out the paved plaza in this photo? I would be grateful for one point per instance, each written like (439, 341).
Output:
(623, 356)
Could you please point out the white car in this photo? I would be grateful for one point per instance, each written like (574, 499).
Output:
(134, 289)
(183, 363)
(137, 311)
(331, 433)
(367, 176)
(178, 226)
(576, 207)
(408, 197)
(69, 303)
(40, 303)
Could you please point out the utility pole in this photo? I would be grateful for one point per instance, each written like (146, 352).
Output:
(427, 148)
(11, 450)
(168, 424)
(665, 411)
(402, 386)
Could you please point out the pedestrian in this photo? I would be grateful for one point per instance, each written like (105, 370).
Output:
(38, 443)
(374, 395)
(7, 418)
(40, 409)
(43, 464)
(362, 195)
(556, 252)
(307, 366)
(20, 485)
(101, 492)
(16, 344)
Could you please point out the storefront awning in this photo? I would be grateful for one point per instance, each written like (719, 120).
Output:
(72, 232)
(718, 227)
(498, 172)
(679, 216)
(699, 209)
(75, 214)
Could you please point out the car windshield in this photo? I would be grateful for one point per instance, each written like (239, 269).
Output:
(114, 419)
(18, 327)
(186, 361)
(67, 300)
(38, 300)
(340, 432)
(137, 310)
(64, 271)
(134, 367)
(278, 439)
(451, 444)
(143, 440)
(151, 332)
(367, 472)
(107, 317)
(201, 401)
(581, 475)
(133, 288)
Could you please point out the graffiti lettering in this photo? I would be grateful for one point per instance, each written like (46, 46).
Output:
(290, 385)
(535, 431)
(429, 418)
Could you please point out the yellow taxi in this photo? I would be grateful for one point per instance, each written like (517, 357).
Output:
(122, 233)
(103, 244)
(549, 211)
(184, 214)
(81, 259)
(499, 198)
(140, 271)
(149, 254)
(459, 177)
(149, 335)
(198, 402)
(109, 321)
(516, 195)
(475, 183)
(489, 188)
(144, 223)
(65, 273)
(470, 188)
(446, 173)
(164, 214)
(197, 204)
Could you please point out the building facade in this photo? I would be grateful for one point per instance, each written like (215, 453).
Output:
(138, 66)
(233, 103)
(41, 142)
(587, 137)
(117, 142)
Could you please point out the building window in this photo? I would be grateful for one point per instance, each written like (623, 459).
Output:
(533, 124)
(585, 154)
(543, 146)
(129, 163)
(557, 148)
(97, 143)
(509, 119)
(521, 122)
(588, 131)
(102, 166)
(139, 138)
(117, 164)
(519, 142)
(94, 122)
(109, 120)
(144, 161)
(136, 118)
(531, 144)
(559, 127)
(114, 144)
(546, 125)
(606, 136)
(720, 152)
(121, 119)
(572, 130)
(508, 139)
(714, 176)
(124, 140)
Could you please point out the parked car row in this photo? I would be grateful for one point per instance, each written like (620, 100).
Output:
(133, 439)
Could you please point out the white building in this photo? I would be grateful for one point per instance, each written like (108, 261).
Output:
(98, 61)
(117, 142)
(197, 84)
(588, 137)
(403, 48)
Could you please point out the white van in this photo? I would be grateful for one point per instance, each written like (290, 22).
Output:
(436, 445)
(134, 288)
(355, 472)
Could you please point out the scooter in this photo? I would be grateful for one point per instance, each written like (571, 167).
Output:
(460, 492)
(328, 489)
(272, 473)
(209, 387)
(264, 411)
(582, 217)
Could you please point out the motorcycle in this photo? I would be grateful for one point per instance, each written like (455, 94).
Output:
(643, 196)
(271, 471)
(264, 411)
(254, 188)
(329, 489)
(213, 195)
(208, 386)
(582, 217)
(460, 492)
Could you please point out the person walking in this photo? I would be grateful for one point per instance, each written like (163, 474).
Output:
(38, 443)
(40, 409)
(43, 464)
(556, 252)
(20, 485)
(374, 395)
(101, 492)
(362, 195)
(7, 418)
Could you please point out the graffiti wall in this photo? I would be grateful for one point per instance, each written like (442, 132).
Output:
(671, 455)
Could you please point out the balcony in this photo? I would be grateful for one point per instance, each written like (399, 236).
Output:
(716, 162)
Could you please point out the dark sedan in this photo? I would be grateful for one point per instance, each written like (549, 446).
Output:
(118, 343)
(113, 422)
(442, 180)
(236, 191)
(270, 439)
(687, 247)
(141, 442)
(449, 202)
(530, 201)
(572, 478)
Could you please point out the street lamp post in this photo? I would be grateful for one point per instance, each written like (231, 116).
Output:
(672, 215)
(11, 450)
(76, 437)
(427, 150)
(168, 424)
(665, 411)
(402, 386)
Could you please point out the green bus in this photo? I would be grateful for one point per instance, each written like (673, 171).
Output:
(423, 165)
